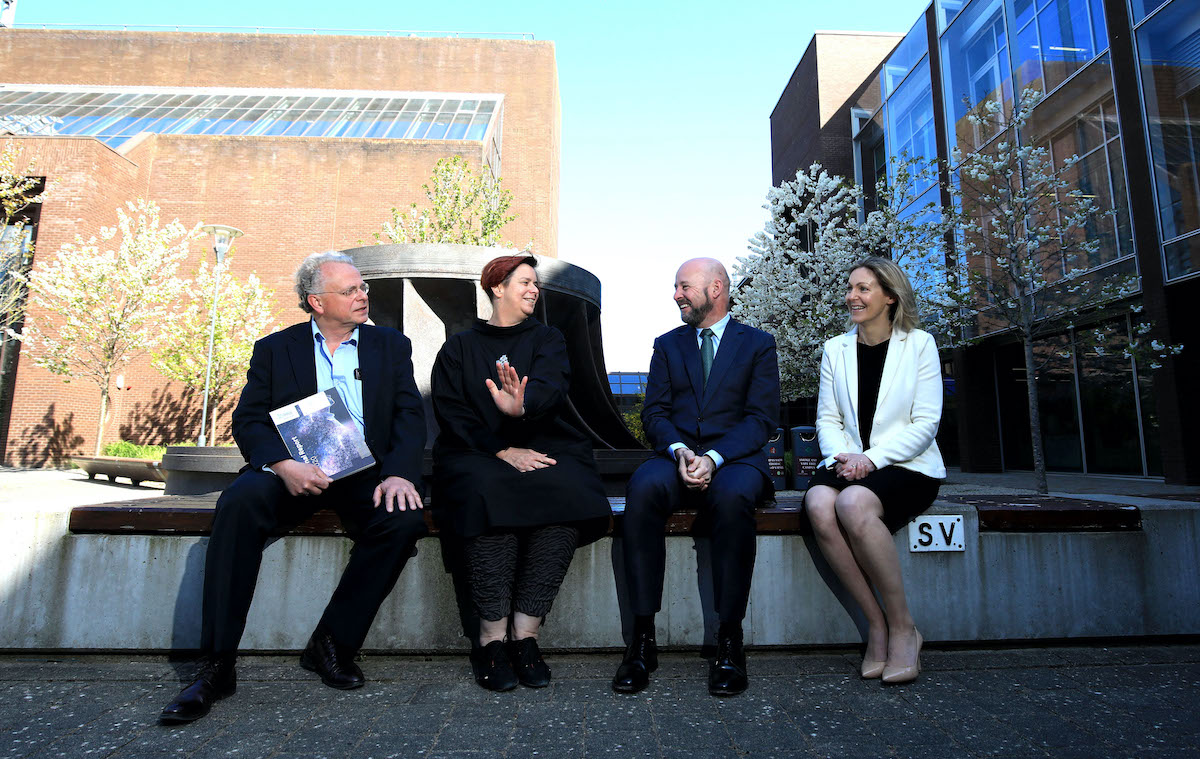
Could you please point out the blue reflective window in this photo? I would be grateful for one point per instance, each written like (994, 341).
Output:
(905, 57)
(114, 115)
(947, 11)
(911, 132)
(976, 71)
(1168, 46)
(379, 128)
(458, 128)
(478, 127)
(1055, 40)
(437, 130)
(1143, 8)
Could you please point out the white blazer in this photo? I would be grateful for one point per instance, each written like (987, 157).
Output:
(907, 412)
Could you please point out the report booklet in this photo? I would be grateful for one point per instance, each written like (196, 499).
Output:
(319, 430)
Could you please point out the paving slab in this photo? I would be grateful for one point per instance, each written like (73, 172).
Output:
(1047, 701)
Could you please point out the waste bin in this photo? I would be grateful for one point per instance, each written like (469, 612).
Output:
(806, 454)
(774, 451)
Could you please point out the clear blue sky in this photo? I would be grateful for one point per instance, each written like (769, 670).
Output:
(665, 108)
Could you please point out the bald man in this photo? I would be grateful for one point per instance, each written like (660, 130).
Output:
(712, 402)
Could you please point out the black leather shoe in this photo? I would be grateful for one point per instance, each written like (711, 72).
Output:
(215, 680)
(335, 666)
(727, 673)
(527, 660)
(641, 658)
(493, 669)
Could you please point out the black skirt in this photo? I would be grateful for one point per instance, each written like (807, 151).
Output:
(905, 494)
(481, 493)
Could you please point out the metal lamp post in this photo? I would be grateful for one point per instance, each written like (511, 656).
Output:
(223, 236)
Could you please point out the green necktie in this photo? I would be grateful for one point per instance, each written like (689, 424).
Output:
(706, 351)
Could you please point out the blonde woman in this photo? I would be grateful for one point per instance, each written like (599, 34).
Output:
(877, 416)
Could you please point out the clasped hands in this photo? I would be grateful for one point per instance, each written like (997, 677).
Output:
(695, 471)
(509, 398)
(394, 493)
(853, 466)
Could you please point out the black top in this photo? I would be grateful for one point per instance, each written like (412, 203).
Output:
(481, 490)
(870, 372)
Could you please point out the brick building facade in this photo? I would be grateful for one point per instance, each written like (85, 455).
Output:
(291, 195)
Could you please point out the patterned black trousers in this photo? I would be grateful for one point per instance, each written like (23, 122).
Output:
(521, 569)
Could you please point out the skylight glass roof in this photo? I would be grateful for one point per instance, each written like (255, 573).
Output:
(114, 114)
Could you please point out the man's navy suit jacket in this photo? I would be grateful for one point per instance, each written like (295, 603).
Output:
(735, 413)
(283, 370)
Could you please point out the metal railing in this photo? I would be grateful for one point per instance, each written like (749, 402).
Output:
(280, 30)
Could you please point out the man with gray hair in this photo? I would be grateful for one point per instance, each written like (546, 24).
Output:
(380, 507)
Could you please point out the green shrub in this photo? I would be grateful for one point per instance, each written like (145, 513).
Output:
(126, 449)
(633, 420)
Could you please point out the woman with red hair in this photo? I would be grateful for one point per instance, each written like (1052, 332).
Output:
(517, 482)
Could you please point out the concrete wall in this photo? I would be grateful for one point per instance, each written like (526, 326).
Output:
(63, 591)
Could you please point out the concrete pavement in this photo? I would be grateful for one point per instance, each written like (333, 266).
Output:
(1102, 699)
(1081, 701)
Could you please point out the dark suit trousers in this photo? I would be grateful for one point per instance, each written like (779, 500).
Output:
(727, 505)
(256, 506)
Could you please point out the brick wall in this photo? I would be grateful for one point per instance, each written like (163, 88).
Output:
(811, 121)
(290, 195)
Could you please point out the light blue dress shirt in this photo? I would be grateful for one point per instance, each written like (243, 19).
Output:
(338, 371)
(718, 331)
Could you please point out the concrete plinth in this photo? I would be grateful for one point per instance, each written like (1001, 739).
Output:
(64, 591)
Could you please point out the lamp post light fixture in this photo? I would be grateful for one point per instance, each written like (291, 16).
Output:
(223, 236)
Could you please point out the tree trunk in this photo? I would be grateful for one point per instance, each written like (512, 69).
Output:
(100, 425)
(1035, 419)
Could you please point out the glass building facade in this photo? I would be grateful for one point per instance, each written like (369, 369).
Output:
(115, 114)
(1098, 414)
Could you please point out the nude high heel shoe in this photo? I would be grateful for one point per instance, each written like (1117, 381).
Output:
(871, 670)
(894, 674)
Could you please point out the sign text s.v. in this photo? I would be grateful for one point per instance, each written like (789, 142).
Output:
(935, 533)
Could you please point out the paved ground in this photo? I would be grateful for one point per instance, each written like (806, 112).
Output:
(65, 489)
(1078, 701)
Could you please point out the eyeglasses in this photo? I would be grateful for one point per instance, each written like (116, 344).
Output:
(364, 288)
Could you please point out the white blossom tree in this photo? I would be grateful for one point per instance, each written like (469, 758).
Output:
(1025, 236)
(794, 279)
(795, 276)
(244, 314)
(99, 308)
(466, 207)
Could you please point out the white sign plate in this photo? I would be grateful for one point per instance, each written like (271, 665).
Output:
(935, 533)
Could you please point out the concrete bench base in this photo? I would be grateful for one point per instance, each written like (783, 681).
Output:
(60, 590)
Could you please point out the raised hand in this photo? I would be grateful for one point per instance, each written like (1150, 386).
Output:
(510, 396)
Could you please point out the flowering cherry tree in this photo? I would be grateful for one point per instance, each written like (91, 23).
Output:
(1026, 233)
(465, 207)
(794, 279)
(99, 308)
(244, 314)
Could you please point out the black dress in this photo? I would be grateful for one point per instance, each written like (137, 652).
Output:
(481, 493)
(905, 494)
